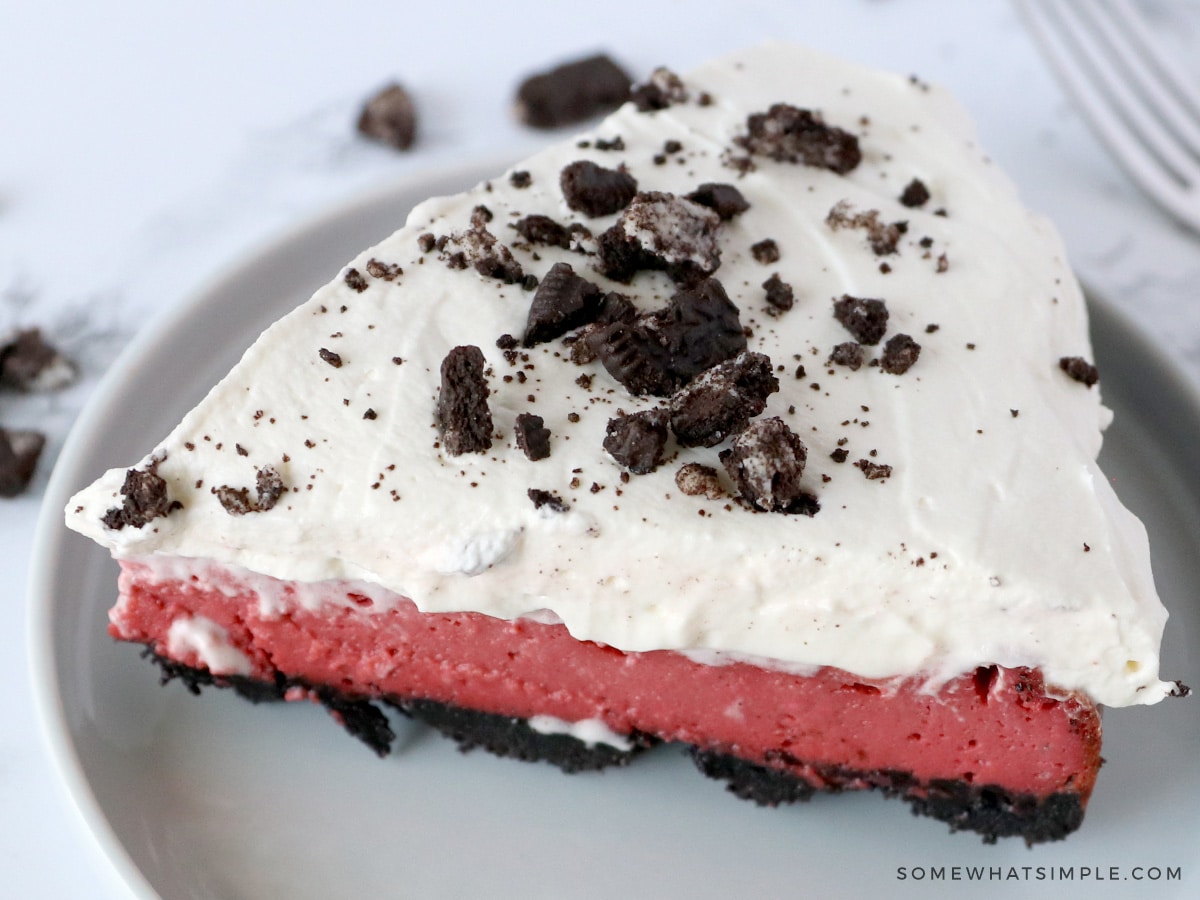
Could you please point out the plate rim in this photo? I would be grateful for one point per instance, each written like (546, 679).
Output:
(50, 532)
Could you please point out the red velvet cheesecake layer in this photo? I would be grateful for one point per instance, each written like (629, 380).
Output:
(994, 726)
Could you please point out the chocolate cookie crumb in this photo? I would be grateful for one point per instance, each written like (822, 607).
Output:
(788, 134)
(594, 190)
(899, 354)
(334, 359)
(145, 499)
(661, 90)
(426, 242)
(545, 499)
(463, 414)
(723, 199)
(697, 480)
(780, 296)
(269, 486)
(766, 462)
(915, 194)
(883, 237)
(563, 301)
(19, 454)
(637, 440)
(390, 117)
(765, 251)
(850, 354)
(237, 500)
(370, 414)
(539, 229)
(722, 400)
(1080, 369)
(865, 318)
(533, 438)
(839, 454)
(29, 363)
(572, 92)
(355, 281)
(873, 471)
(383, 271)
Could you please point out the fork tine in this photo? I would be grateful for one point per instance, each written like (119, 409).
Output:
(1110, 96)
(1150, 152)
(1172, 98)
(1133, 26)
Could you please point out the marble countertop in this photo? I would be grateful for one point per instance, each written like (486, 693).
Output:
(148, 146)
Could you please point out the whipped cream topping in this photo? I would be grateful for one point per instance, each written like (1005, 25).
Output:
(988, 535)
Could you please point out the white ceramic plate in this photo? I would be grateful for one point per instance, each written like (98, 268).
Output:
(212, 797)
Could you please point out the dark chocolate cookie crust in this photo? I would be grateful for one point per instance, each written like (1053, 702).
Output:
(989, 810)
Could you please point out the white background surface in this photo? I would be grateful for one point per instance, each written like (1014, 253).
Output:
(145, 147)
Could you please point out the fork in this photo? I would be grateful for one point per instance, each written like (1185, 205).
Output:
(1143, 108)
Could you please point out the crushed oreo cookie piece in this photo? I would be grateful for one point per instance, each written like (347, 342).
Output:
(546, 500)
(618, 257)
(873, 471)
(786, 133)
(145, 498)
(539, 229)
(355, 281)
(698, 480)
(533, 437)
(865, 318)
(765, 251)
(390, 117)
(1080, 369)
(661, 90)
(915, 194)
(520, 179)
(20, 450)
(594, 190)
(721, 401)
(659, 352)
(883, 237)
(839, 454)
(659, 230)
(723, 199)
(766, 462)
(463, 414)
(383, 271)
(849, 354)
(29, 363)
(237, 500)
(334, 359)
(637, 440)
(899, 354)
(780, 296)
(572, 92)
(268, 484)
(481, 249)
(563, 301)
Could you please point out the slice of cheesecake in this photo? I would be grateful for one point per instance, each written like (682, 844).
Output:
(759, 419)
